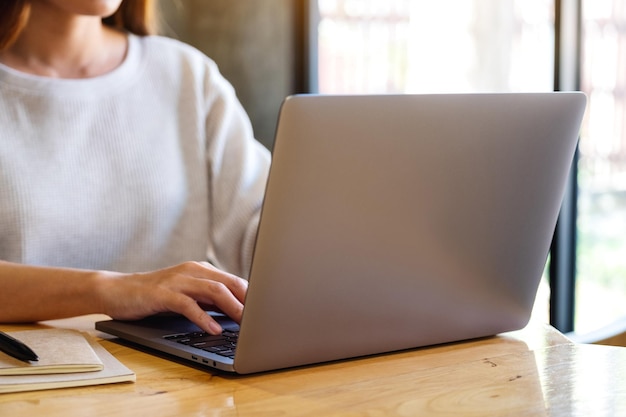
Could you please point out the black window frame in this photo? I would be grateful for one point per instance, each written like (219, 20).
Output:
(567, 76)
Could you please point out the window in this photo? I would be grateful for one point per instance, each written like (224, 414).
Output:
(601, 249)
(420, 46)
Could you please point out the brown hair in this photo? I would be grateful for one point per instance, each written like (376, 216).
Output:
(13, 18)
(136, 16)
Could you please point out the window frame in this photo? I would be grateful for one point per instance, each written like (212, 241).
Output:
(567, 70)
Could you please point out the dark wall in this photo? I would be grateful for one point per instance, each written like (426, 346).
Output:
(255, 44)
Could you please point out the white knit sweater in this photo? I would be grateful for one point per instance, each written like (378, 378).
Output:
(145, 167)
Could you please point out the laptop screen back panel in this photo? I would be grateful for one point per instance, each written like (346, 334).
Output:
(392, 222)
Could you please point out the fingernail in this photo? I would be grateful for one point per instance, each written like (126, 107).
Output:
(215, 328)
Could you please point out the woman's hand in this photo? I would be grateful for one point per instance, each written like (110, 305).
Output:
(188, 289)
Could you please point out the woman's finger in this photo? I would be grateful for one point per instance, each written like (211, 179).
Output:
(189, 308)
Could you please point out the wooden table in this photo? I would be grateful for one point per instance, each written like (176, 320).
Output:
(533, 372)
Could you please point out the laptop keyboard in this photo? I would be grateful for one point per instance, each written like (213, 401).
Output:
(223, 344)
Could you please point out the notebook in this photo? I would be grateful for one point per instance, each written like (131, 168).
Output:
(392, 222)
(60, 351)
(67, 358)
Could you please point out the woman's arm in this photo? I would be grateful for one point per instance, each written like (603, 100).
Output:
(31, 293)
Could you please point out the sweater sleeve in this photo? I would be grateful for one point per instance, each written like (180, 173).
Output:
(237, 167)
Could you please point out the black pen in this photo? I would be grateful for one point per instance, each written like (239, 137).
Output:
(13, 347)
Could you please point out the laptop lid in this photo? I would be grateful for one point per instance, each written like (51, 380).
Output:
(392, 222)
(398, 221)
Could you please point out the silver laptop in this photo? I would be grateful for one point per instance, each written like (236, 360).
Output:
(392, 222)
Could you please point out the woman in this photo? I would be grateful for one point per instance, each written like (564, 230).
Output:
(126, 163)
